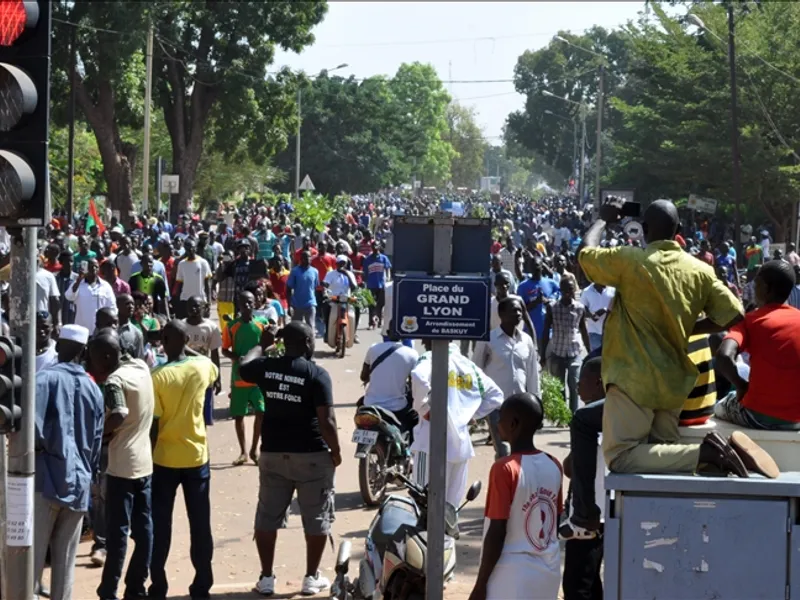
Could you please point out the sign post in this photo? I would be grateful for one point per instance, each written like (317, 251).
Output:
(442, 249)
(433, 302)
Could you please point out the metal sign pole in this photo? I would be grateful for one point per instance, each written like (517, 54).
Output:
(22, 462)
(437, 451)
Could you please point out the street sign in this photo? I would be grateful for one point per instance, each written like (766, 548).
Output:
(170, 184)
(306, 184)
(700, 204)
(442, 307)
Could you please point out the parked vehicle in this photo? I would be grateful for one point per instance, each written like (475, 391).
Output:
(395, 558)
(382, 449)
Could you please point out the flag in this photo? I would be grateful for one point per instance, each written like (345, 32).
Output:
(94, 219)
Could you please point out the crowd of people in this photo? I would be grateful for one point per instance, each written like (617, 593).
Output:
(644, 327)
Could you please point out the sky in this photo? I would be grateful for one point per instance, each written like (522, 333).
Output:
(462, 40)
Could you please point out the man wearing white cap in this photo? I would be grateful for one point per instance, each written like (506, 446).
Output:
(339, 282)
(69, 435)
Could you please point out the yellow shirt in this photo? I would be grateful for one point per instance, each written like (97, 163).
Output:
(660, 292)
(180, 390)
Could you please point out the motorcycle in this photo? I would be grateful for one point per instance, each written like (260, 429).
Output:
(394, 563)
(382, 450)
(341, 333)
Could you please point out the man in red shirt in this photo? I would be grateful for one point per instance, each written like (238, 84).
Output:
(771, 335)
(323, 262)
(705, 253)
(305, 248)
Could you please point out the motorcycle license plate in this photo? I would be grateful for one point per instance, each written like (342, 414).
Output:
(364, 436)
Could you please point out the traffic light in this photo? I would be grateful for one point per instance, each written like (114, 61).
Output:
(24, 111)
(10, 385)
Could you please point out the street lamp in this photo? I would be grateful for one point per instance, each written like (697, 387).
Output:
(600, 90)
(582, 112)
(737, 174)
(299, 123)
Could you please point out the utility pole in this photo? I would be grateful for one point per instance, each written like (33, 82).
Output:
(737, 175)
(574, 148)
(582, 182)
(148, 93)
(73, 49)
(599, 152)
(22, 461)
(297, 144)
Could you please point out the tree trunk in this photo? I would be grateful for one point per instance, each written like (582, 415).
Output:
(186, 118)
(118, 157)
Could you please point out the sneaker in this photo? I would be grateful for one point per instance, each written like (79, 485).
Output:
(569, 531)
(266, 585)
(314, 585)
(98, 557)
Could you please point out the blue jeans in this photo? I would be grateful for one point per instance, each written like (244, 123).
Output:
(128, 506)
(195, 482)
(595, 341)
(566, 367)
(584, 432)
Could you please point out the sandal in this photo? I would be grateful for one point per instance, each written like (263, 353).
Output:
(240, 461)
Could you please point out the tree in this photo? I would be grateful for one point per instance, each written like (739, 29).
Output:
(674, 108)
(344, 136)
(110, 40)
(418, 105)
(467, 140)
(542, 130)
(88, 180)
(211, 61)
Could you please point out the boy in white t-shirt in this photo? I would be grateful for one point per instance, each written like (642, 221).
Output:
(521, 556)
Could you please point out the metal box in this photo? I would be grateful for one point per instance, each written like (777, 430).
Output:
(680, 537)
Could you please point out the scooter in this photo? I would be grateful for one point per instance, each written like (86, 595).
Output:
(394, 563)
(341, 324)
(382, 450)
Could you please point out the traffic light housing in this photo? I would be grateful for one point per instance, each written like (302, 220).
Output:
(25, 27)
(10, 385)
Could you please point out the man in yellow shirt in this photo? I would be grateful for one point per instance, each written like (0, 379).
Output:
(180, 458)
(660, 293)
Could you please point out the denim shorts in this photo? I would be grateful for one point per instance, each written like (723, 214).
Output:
(312, 475)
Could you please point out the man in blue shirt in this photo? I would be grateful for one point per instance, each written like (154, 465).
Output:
(300, 287)
(726, 260)
(69, 435)
(374, 268)
(535, 290)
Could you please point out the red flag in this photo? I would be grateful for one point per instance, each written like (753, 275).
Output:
(95, 217)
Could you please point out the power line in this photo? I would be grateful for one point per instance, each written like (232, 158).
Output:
(482, 38)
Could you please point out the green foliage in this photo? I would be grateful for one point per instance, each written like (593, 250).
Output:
(313, 211)
(566, 72)
(674, 109)
(555, 409)
(363, 298)
(88, 178)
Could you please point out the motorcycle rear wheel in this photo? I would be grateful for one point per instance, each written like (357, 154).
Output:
(373, 487)
(341, 340)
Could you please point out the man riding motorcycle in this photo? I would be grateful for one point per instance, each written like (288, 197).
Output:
(386, 370)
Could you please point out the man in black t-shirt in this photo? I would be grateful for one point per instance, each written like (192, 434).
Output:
(299, 449)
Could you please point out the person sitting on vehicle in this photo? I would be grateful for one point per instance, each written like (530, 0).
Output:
(387, 367)
(771, 335)
(524, 497)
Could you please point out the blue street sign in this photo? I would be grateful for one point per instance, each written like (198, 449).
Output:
(441, 307)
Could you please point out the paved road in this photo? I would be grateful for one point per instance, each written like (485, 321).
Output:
(234, 493)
